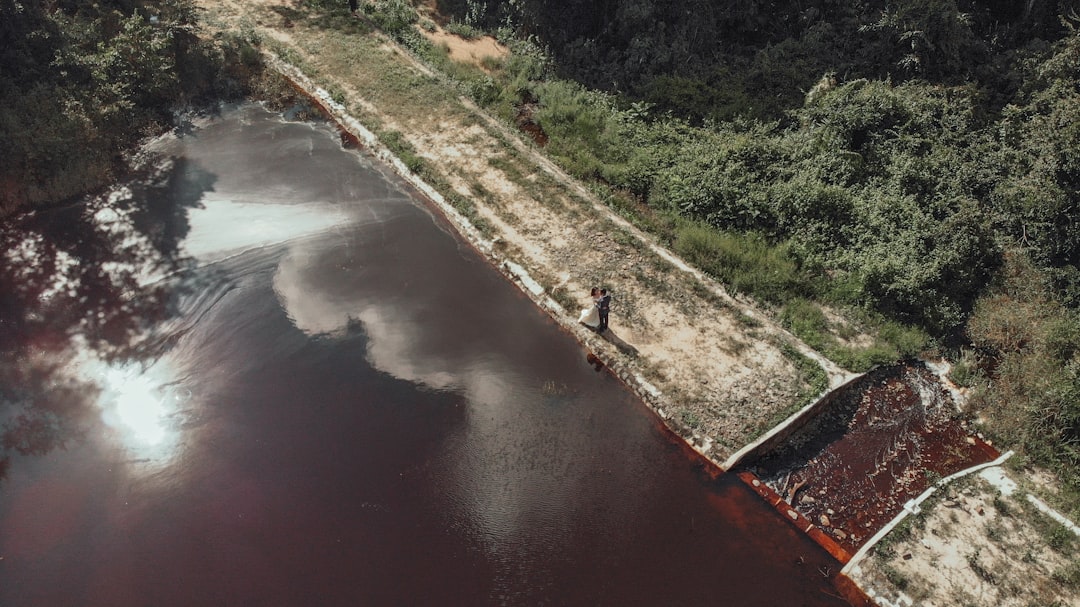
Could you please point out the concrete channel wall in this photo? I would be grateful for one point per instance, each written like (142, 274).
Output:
(782, 431)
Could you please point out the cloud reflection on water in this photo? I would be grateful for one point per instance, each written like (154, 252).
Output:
(414, 334)
(318, 305)
(227, 225)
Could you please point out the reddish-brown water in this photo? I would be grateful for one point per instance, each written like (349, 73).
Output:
(881, 441)
(350, 407)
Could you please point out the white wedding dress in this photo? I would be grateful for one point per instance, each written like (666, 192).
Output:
(590, 316)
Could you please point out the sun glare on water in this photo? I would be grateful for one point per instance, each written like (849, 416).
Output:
(138, 407)
(139, 404)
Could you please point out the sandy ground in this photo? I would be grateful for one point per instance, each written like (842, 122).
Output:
(980, 543)
(467, 51)
(707, 363)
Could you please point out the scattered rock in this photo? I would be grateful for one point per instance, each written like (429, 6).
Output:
(825, 522)
(839, 534)
(807, 499)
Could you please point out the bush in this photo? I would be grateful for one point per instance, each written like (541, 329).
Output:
(1035, 398)
(395, 17)
(464, 30)
(581, 126)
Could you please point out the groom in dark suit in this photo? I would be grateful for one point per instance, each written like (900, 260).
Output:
(604, 306)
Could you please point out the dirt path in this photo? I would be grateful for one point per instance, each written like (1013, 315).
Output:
(710, 365)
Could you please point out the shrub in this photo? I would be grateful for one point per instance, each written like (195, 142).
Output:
(464, 30)
(1035, 398)
(395, 17)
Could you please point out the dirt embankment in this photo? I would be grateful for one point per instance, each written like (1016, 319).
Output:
(713, 367)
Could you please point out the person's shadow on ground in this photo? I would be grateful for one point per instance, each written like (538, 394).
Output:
(618, 342)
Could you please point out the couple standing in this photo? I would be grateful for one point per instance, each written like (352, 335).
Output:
(596, 315)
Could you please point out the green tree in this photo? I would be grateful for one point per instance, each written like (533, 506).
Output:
(1038, 200)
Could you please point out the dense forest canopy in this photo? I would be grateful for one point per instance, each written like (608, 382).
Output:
(702, 59)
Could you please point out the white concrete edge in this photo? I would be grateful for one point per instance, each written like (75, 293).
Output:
(376, 148)
(1054, 514)
(912, 507)
(730, 462)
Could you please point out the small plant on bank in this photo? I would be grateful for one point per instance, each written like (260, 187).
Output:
(467, 208)
(811, 376)
(895, 577)
(398, 146)
(965, 372)
(980, 570)
(1068, 575)
(569, 303)
(1003, 508)
(337, 94)
(690, 418)
(464, 30)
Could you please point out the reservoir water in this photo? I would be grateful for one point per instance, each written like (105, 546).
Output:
(346, 405)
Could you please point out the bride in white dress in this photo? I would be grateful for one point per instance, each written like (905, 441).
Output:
(590, 316)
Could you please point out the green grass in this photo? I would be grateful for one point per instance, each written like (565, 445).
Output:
(890, 341)
(1068, 576)
(400, 147)
(690, 418)
(812, 380)
(745, 262)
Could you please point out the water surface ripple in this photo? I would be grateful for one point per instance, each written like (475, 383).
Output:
(358, 410)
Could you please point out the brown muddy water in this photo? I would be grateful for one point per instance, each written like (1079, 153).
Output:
(342, 403)
(876, 443)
